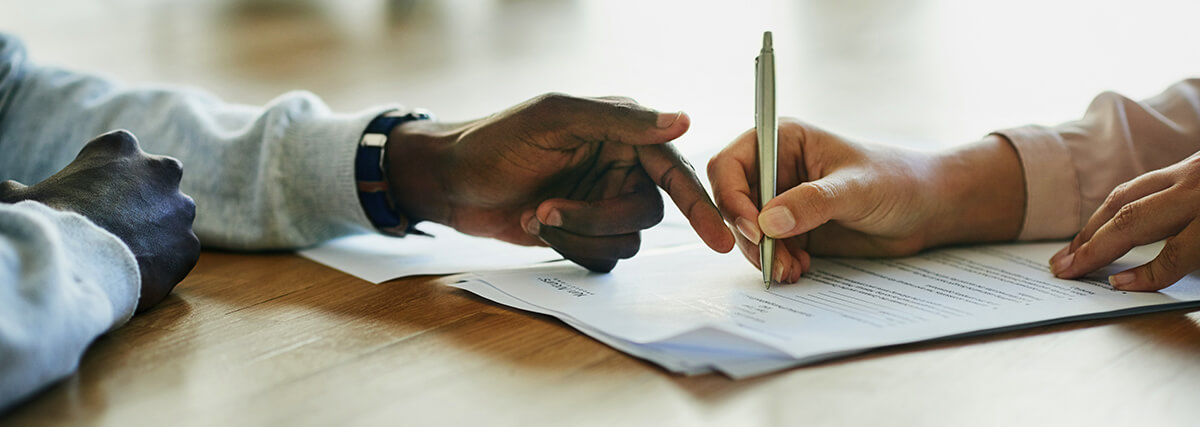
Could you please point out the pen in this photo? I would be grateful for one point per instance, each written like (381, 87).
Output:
(768, 143)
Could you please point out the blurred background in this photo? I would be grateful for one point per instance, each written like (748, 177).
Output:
(922, 73)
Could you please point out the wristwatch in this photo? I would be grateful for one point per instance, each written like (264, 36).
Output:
(370, 170)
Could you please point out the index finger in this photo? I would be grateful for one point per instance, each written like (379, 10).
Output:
(1142, 221)
(1124, 194)
(671, 172)
(730, 173)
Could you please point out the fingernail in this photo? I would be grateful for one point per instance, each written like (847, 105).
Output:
(665, 120)
(1122, 279)
(777, 272)
(748, 230)
(533, 226)
(776, 221)
(554, 218)
(1063, 264)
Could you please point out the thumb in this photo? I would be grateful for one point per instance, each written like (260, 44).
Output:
(805, 207)
(1179, 256)
(614, 119)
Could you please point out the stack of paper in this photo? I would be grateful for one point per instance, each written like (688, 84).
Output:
(694, 311)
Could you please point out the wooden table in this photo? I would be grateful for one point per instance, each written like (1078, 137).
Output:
(280, 340)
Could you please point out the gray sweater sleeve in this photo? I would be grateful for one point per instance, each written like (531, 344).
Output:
(273, 177)
(63, 282)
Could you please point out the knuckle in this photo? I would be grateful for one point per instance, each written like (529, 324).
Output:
(822, 190)
(625, 108)
(173, 163)
(1171, 257)
(691, 170)
(189, 208)
(165, 170)
(554, 100)
(1188, 180)
(170, 165)
(119, 141)
(667, 179)
(10, 189)
(620, 99)
(655, 217)
(631, 246)
(124, 140)
(1192, 163)
(1127, 218)
(822, 194)
(1116, 196)
(1189, 185)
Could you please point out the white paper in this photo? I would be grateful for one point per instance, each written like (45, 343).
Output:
(737, 362)
(377, 258)
(712, 310)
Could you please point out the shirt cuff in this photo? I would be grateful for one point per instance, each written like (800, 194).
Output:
(1052, 197)
(331, 185)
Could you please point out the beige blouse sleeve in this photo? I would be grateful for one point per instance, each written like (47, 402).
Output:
(1070, 168)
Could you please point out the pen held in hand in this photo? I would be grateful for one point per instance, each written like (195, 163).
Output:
(766, 124)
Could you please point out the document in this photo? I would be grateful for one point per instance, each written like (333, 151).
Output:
(377, 258)
(693, 311)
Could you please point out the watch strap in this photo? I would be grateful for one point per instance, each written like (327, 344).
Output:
(370, 172)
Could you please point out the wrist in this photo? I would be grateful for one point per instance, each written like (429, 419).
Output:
(417, 154)
(984, 193)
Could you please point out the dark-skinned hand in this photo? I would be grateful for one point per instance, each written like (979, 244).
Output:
(576, 174)
(133, 195)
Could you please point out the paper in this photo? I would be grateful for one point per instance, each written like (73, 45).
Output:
(692, 311)
(377, 258)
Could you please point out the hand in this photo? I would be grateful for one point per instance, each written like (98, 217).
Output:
(840, 198)
(1159, 204)
(576, 174)
(133, 195)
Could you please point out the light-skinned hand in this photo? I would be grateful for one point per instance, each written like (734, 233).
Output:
(841, 198)
(1161, 204)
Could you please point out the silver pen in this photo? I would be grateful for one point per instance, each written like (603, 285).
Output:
(767, 126)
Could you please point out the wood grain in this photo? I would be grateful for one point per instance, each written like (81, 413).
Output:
(280, 340)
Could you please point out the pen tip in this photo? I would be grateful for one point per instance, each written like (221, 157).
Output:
(766, 39)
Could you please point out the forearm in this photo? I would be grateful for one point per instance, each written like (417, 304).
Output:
(280, 176)
(63, 282)
(1071, 168)
(983, 193)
